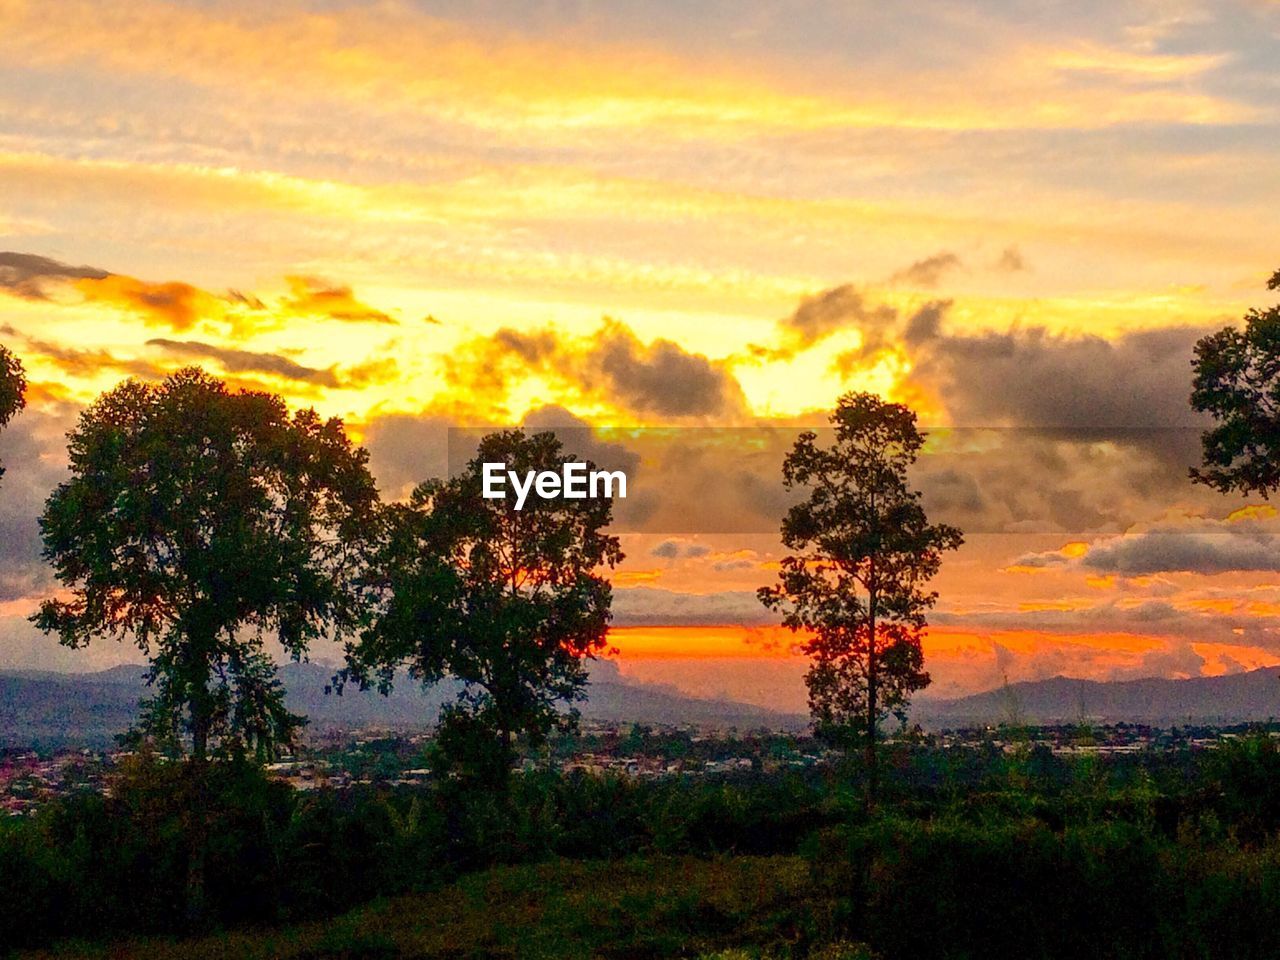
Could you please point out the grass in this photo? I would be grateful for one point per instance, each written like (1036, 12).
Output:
(740, 907)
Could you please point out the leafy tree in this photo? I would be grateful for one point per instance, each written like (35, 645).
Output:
(198, 522)
(13, 388)
(1237, 382)
(510, 602)
(864, 551)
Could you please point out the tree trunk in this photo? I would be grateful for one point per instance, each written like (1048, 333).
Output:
(198, 831)
(507, 739)
(872, 690)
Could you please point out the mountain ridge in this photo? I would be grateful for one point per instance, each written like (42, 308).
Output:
(1253, 695)
(90, 709)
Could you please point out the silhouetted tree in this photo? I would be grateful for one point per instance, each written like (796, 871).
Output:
(197, 522)
(864, 551)
(13, 389)
(510, 602)
(1237, 382)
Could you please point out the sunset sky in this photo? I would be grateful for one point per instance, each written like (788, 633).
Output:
(707, 218)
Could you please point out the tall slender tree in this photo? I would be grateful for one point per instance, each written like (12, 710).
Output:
(13, 389)
(855, 585)
(510, 602)
(1237, 382)
(199, 522)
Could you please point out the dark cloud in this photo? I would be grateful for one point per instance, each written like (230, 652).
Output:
(1177, 659)
(929, 271)
(1137, 381)
(581, 440)
(923, 325)
(534, 349)
(246, 361)
(406, 449)
(1210, 550)
(614, 366)
(840, 308)
(926, 323)
(949, 491)
(660, 377)
(674, 549)
(1197, 545)
(30, 276)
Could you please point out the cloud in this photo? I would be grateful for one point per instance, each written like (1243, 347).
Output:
(929, 271)
(653, 606)
(312, 296)
(674, 549)
(1245, 542)
(1146, 618)
(178, 305)
(612, 366)
(30, 276)
(80, 362)
(660, 377)
(246, 361)
(923, 325)
(839, 308)
(1208, 550)
(174, 304)
(1011, 261)
(581, 440)
(406, 449)
(1037, 379)
(377, 370)
(33, 449)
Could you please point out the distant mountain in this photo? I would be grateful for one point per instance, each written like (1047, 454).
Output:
(55, 710)
(1228, 699)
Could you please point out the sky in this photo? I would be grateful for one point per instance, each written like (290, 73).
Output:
(683, 230)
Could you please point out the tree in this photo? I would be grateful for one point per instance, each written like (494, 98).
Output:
(510, 602)
(197, 522)
(855, 585)
(1237, 382)
(13, 389)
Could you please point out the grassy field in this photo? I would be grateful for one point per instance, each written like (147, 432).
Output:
(738, 907)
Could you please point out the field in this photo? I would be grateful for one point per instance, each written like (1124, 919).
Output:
(640, 907)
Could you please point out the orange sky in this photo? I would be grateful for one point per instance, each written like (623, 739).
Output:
(419, 216)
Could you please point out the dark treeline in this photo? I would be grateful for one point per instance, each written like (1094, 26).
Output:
(973, 852)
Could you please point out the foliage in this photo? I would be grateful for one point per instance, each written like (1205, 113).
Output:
(1237, 382)
(13, 388)
(196, 522)
(510, 602)
(1138, 860)
(855, 584)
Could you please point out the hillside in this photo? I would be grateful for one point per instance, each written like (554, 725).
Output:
(1228, 699)
(57, 710)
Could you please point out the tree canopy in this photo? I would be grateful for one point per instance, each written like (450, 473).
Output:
(1237, 382)
(13, 389)
(509, 602)
(198, 522)
(863, 553)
